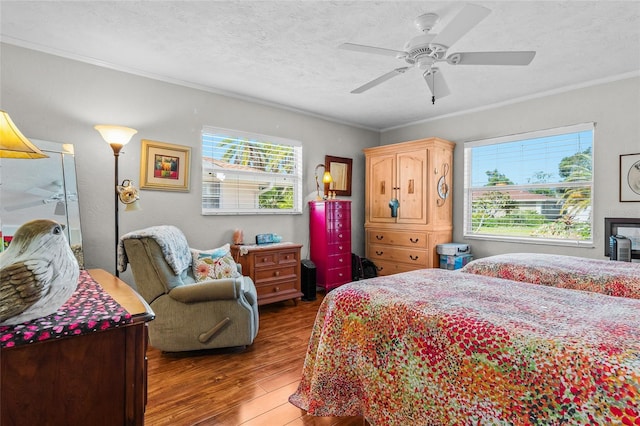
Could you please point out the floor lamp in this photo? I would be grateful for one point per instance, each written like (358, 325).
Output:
(116, 137)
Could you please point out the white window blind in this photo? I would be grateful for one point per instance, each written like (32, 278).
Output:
(245, 173)
(533, 187)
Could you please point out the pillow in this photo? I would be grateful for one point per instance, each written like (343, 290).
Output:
(214, 264)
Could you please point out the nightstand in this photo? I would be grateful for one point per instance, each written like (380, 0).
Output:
(274, 269)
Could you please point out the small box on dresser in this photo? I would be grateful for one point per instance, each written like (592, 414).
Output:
(330, 241)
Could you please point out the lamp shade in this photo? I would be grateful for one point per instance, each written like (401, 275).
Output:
(13, 144)
(326, 177)
(118, 135)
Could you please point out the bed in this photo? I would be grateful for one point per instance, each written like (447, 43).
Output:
(601, 276)
(437, 347)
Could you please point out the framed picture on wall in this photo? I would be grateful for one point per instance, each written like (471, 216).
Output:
(630, 177)
(164, 166)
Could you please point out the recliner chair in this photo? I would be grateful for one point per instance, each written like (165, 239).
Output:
(190, 315)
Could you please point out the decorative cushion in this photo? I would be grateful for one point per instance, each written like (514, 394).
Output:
(214, 264)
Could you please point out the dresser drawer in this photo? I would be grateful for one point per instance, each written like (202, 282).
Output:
(288, 257)
(270, 275)
(272, 289)
(337, 276)
(341, 247)
(335, 237)
(339, 260)
(397, 238)
(412, 256)
(390, 268)
(338, 226)
(265, 260)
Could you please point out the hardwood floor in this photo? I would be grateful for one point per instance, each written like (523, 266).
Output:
(239, 387)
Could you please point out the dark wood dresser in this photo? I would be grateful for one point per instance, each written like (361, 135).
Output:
(88, 370)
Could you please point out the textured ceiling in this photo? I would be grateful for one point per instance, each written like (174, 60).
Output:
(285, 52)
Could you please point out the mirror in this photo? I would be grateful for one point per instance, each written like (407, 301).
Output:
(43, 188)
(340, 169)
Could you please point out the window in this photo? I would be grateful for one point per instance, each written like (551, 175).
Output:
(245, 173)
(533, 187)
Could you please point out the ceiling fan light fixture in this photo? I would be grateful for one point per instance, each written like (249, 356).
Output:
(426, 21)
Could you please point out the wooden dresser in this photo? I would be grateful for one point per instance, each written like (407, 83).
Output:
(274, 269)
(330, 242)
(418, 174)
(97, 378)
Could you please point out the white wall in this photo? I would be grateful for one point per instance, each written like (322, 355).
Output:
(614, 106)
(57, 99)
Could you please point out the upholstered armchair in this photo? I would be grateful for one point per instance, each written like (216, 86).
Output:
(192, 311)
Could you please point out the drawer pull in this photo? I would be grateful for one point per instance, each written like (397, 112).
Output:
(340, 235)
(276, 273)
(287, 257)
(414, 241)
(379, 253)
(412, 257)
(340, 260)
(379, 237)
(264, 260)
(276, 289)
(340, 247)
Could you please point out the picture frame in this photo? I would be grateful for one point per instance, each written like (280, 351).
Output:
(340, 169)
(630, 178)
(629, 227)
(164, 166)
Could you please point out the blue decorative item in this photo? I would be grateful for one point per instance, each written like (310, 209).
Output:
(394, 204)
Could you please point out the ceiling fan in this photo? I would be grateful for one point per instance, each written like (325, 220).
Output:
(427, 49)
(47, 196)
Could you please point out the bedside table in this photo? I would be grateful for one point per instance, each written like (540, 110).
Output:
(274, 269)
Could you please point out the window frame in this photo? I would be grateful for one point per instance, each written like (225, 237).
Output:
(212, 195)
(515, 138)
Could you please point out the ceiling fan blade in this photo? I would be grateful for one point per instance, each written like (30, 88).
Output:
(372, 49)
(436, 82)
(466, 19)
(491, 58)
(28, 204)
(380, 80)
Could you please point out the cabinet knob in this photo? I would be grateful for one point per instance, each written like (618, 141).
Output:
(340, 260)
(340, 247)
(276, 289)
(264, 260)
(276, 273)
(340, 235)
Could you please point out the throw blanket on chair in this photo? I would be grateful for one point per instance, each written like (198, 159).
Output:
(171, 240)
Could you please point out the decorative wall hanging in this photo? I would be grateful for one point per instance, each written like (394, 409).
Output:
(630, 177)
(442, 186)
(164, 166)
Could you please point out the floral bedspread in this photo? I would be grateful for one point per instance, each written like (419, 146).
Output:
(437, 347)
(602, 276)
(89, 309)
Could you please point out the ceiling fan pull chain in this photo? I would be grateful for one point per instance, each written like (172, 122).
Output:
(433, 100)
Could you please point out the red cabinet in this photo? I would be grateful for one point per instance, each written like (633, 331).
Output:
(330, 241)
